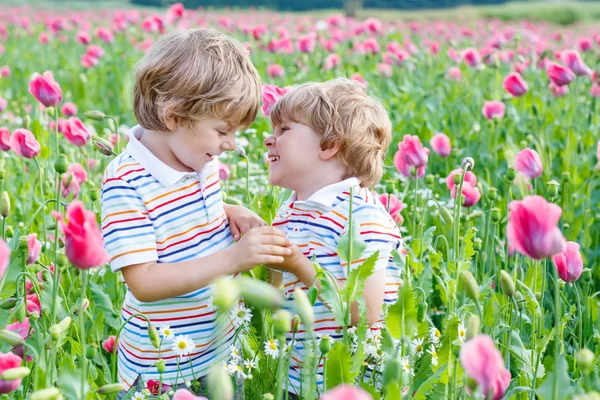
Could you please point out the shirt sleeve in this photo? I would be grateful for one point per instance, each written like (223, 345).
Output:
(129, 236)
(378, 231)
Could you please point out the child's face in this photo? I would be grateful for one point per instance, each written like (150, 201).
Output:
(294, 152)
(197, 145)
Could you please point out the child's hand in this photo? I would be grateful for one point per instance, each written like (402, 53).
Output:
(264, 245)
(290, 262)
(241, 220)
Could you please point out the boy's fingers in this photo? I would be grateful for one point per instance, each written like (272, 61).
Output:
(268, 259)
(269, 230)
(234, 231)
(276, 250)
(276, 240)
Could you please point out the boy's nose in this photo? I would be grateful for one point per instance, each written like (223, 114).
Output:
(228, 144)
(269, 141)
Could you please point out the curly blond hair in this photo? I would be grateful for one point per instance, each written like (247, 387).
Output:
(195, 74)
(344, 115)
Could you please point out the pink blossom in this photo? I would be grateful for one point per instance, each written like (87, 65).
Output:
(558, 74)
(270, 95)
(4, 71)
(515, 84)
(4, 257)
(412, 151)
(109, 344)
(471, 56)
(573, 61)
(3, 104)
(76, 132)
(532, 227)
(483, 362)
(184, 394)
(8, 361)
(346, 392)
(4, 139)
(569, 263)
(454, 73)
(83, 37)
(307, 43)
(384, 70)
(405, 169)
(69, 109)
(45, 89)
(395, 206)
(528, 163)
(24, 143)
(275, 71)
(35, 247)
(493, 109)
(224, 172)
(331, 61)
(558, 91)
(440, 143)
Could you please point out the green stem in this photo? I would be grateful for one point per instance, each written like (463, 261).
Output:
(349, 261)
(579, 315)
(57, 270)
(84, 279)
(557, 322)
(287, 381)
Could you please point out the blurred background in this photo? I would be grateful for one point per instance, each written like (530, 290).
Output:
(562, 12)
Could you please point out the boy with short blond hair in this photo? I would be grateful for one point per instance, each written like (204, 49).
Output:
(164, 222)
(328, 138)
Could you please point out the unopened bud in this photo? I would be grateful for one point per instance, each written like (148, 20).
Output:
(154, 336)
(10, 232)
(475, 214)
(4, 205)
(472, 384)
(470, 285)
(429, 179)
(103, 146)
(446, 215)
(586, 359)
(9, 303)
(390, 188)
(22, 311)
(226, 292)
(492, 193)
(313, 292)
(282, 320)
(11, 338)
(495, 214)
(421, 311)
(91, 352)
(68, 180)
(96, 115)
(303, 308)
(295, 324)
(161, 366)
(15, 373)
(64, 324)
(468, 163)
(55, 331)
(553, 188)
(477, 244)
(510, 174)
(566, 176)
(61, 165)
(111, 388)
(94, 194)
(473, 325)
(44, 394)
(325, 344)
(456, 178)
(260, 294)
(507, 284)
(61, 259)
(268, 396)
(219, 384)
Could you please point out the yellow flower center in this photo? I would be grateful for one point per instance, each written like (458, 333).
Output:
(241, 314)
(462, 333)
(437, 333)
(273, 346)
(181, 345)
(419, 347)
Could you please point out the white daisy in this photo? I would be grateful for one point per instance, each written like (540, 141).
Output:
(418, 346)
(371, 350)
(434, 335)
(235, 354)
(183, 345)
(250, 364)
(462, 332)
(271, 348)
(240, 315)
(166, 332)
(232, 368)
(406, 366)
(138, 396)
(238, 370)
(374, 334)
(434, 356)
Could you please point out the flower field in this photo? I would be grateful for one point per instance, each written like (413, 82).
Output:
(493, 177)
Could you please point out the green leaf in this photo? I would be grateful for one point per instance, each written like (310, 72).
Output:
(355, 284)
(402, 315)
(358, 245)
(429, 384)
(435, 258)
(69, 379)
(522, 357)
(361, 336)
(339, 363)
(392, 391)
(101, 299)
(330, 293)
(468, 251)
(372, 390)
(558, 384)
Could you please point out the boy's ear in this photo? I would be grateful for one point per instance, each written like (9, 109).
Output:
(327, 154)
(171, 122)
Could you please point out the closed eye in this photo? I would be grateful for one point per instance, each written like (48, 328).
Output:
(222, 133)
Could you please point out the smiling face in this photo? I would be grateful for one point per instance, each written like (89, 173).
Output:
(196, 145)
(294, 155)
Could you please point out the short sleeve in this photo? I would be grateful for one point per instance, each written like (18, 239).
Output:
(128, 233)
(379, 232)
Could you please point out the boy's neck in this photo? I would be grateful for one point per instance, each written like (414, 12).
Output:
(158, 145)
(312, 186)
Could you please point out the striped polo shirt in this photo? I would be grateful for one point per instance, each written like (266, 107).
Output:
(151, 212)
(315, 225)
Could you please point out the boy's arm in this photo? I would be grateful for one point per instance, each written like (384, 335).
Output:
(299, 265)
(241, 220)
(154, 281)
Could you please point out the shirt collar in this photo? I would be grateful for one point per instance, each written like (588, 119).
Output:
(163, 173)
(327, 195)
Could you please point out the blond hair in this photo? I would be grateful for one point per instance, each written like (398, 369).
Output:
(344, 115)
(195, 74)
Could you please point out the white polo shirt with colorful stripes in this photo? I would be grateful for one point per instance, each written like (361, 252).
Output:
(315, 225)
(151, 212)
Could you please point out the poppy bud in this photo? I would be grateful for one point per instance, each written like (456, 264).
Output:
(282, 320)
(495, 214)
(507, 284)
(111, 388)
(4, 204)
(473, 325)
(96, 115)
(325, 344)
(61, 165)
(470, 285)
(313, 292)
